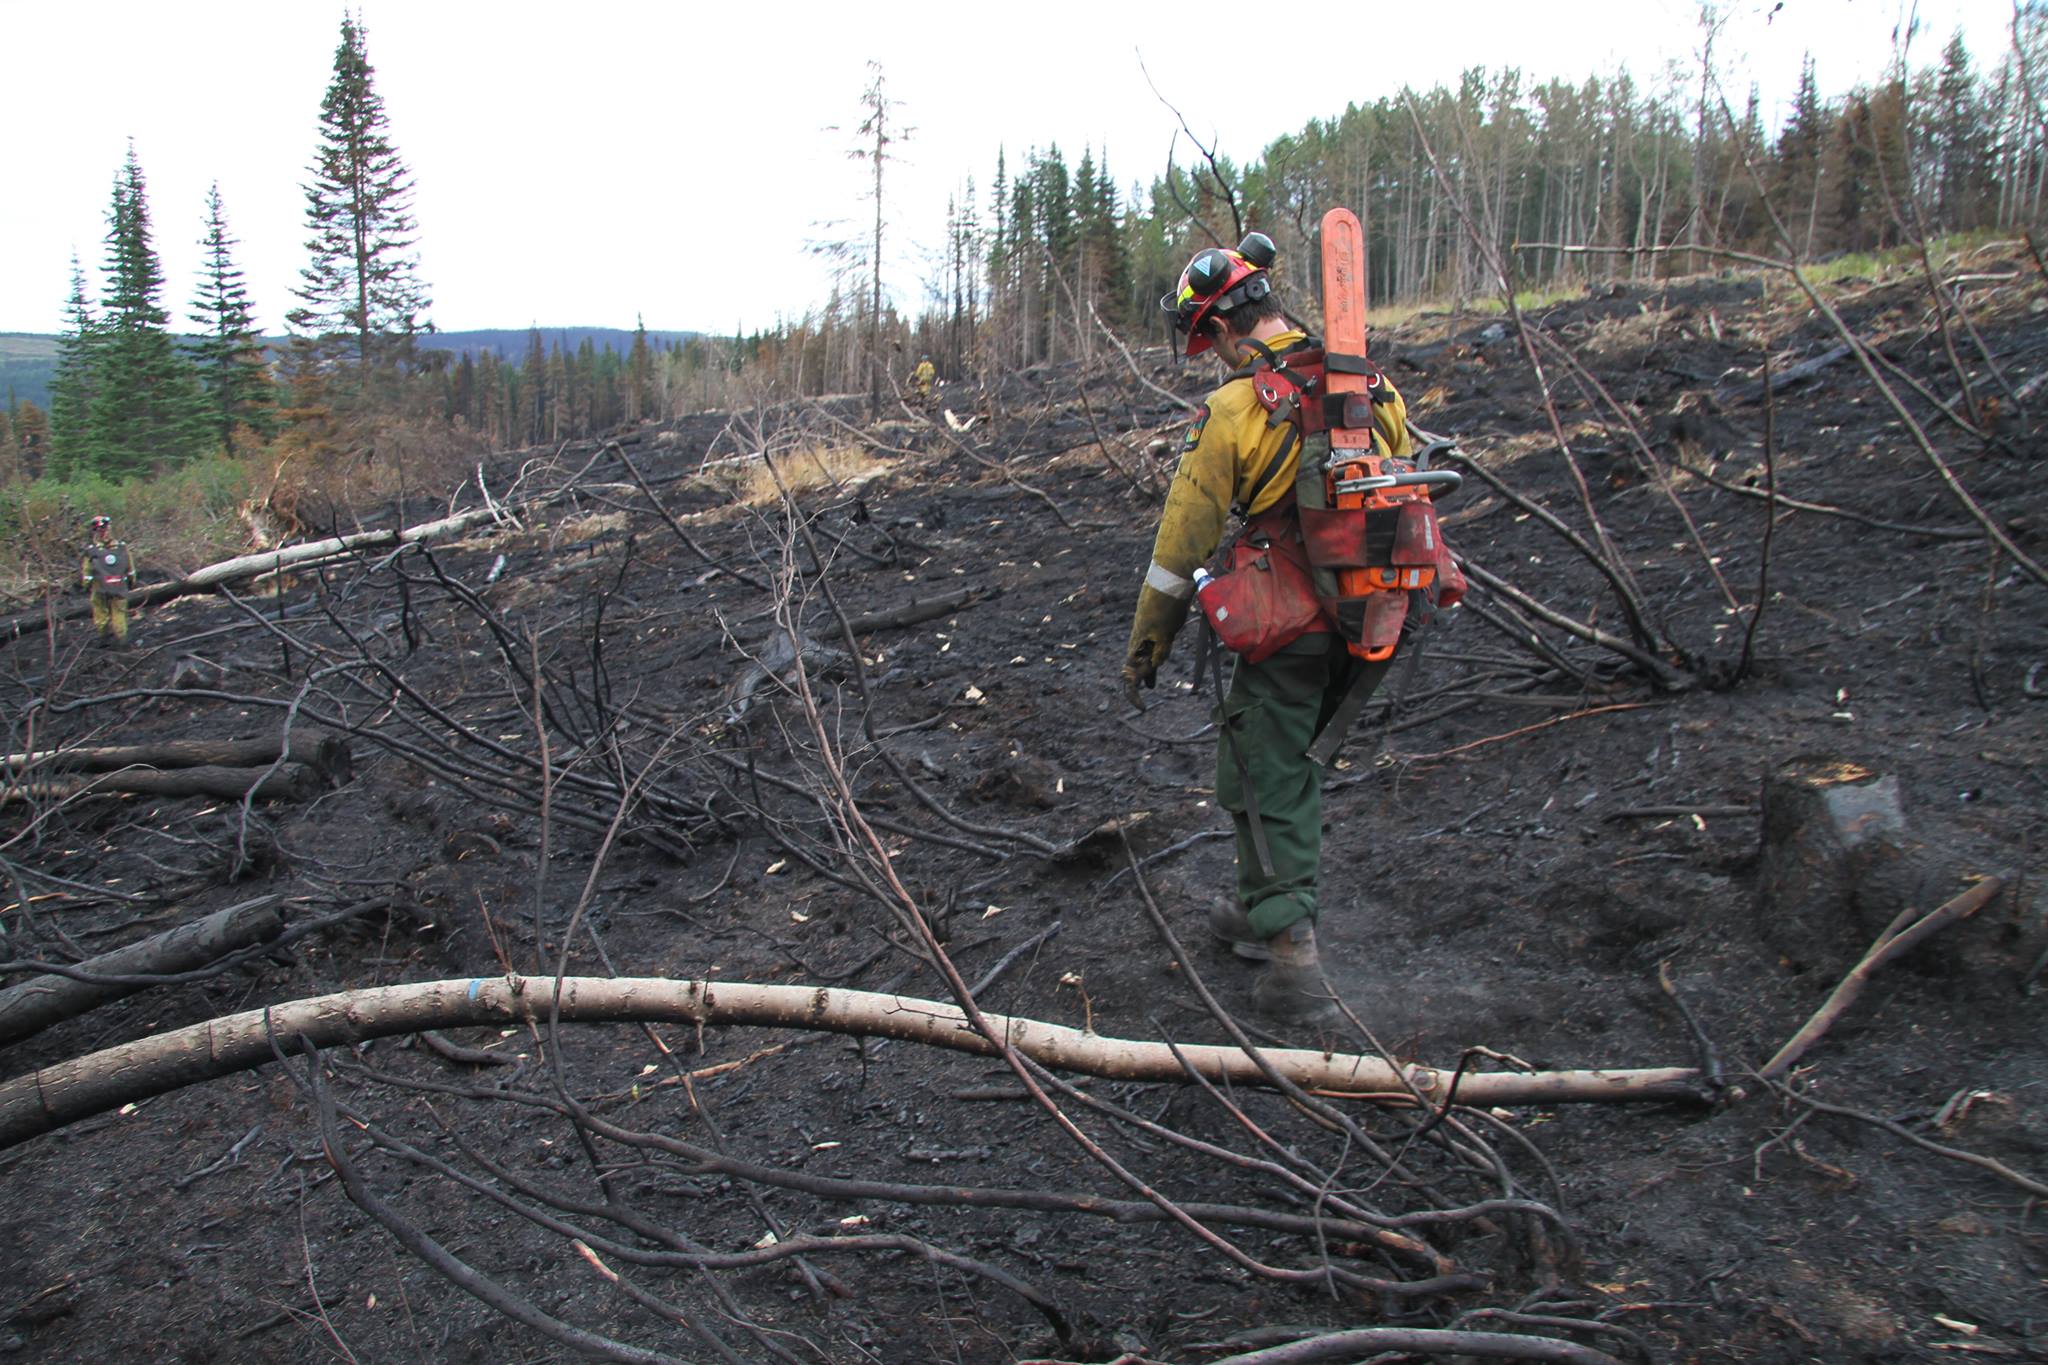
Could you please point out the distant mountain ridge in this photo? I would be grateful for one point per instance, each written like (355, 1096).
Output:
(28, 360)
(509, 343)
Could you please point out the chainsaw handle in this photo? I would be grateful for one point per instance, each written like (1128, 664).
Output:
(1439, 482)
(1436, 446)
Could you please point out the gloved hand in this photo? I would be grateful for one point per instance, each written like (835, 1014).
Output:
(1140, 669)
(1157, 621)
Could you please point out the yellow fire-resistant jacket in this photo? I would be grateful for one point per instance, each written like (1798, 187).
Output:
(1226, 450)
(91, 558)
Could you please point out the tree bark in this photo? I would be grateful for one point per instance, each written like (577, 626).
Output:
(1784, 379)
(292, 782)
(41, 1001)
(327, 753)
(54, 1096)
(911, 613)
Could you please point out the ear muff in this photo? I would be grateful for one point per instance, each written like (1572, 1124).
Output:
(1209, 271)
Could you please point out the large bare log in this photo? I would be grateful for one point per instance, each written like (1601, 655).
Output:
(291, 782)
(923, 609)
(323, 751)
(1784, 379)
(41, 1001)
(54, 1096)
(254, 565)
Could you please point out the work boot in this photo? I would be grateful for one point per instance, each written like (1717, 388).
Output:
(1292, 990)
(1229, 922)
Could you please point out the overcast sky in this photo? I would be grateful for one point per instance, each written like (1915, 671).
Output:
(584, 164)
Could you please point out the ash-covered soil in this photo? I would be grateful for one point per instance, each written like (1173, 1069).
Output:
(1513, 855)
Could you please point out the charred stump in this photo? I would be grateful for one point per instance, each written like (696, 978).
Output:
(1835, 866)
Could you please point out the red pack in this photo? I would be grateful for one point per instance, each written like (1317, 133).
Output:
(1264, 598)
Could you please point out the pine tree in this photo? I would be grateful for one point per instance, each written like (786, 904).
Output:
(73, 385)
(232, 371)
(362, 287)
(147, 408)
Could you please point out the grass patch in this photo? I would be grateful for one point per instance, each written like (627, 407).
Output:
(182, 518)
(803, 470)
(1948, 253)
(1528, 300)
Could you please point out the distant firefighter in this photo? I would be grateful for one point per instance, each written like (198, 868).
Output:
(921, 378)
(107, 570)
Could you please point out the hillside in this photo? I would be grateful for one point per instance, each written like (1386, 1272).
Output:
(649, 719)
(28, 360)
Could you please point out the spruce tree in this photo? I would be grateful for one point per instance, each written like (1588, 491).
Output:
(533, 394)
(73, 385)
(362, 289)
(229, 350)
(1962, 143)
(639, 396)
(1800, 146)
(146, 407)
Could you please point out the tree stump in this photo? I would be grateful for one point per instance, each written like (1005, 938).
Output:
(1835, 866)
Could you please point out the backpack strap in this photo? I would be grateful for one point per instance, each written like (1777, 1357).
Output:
(1287, 444)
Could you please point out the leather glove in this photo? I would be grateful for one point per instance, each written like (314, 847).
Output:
(1139, 670)
(1153, 627)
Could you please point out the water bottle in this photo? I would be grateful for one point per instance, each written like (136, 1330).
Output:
(1203, 578)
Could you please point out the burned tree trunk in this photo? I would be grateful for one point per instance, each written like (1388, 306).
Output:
(41, 1001)
(326, 753)
(291, 782)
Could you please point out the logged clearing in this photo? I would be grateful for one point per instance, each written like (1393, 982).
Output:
(1749, 683)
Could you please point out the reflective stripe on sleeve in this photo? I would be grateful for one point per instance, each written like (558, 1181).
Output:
(1167, 581)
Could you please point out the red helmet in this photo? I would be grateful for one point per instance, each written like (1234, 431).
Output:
(1217, 281)
(100, 524)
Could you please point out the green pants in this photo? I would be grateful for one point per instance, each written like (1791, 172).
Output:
(1271, 715)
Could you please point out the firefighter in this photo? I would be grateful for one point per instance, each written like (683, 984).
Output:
(106, 569)
(1233, 458)
(921, 378)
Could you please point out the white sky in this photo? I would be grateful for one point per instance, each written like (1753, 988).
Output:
(584, 163)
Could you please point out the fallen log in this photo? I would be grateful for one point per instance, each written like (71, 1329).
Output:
(1784, 379)
(325, 752)
(41, 1001)
(264, 562)
(910, 613)
(291, 782)
(1378, 1343)
(47, 1099)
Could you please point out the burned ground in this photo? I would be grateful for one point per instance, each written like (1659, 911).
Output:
(1513, 855)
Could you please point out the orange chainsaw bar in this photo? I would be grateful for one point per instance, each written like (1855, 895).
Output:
(1358, 477)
